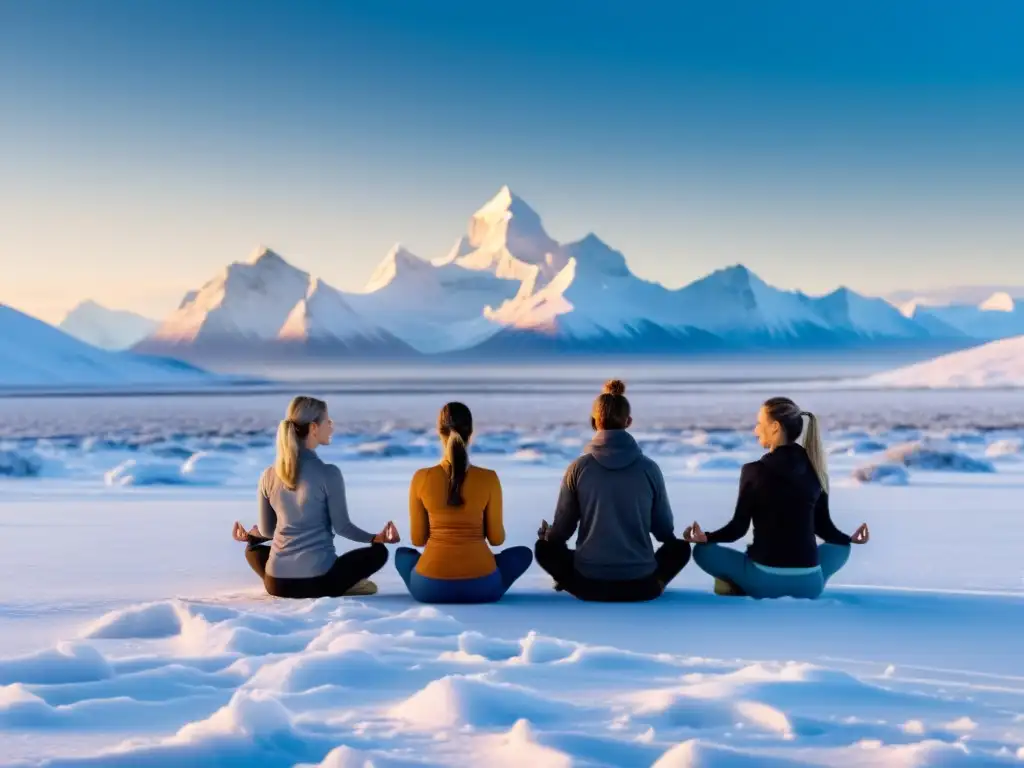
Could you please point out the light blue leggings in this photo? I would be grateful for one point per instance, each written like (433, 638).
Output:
(759, 581)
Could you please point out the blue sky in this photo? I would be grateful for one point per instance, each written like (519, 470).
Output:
(143, 145)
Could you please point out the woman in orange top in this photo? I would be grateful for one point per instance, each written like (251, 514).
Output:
(454, 510)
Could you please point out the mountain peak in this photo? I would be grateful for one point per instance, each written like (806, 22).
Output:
(737, 277)
(398, 261)
(263, 255)
(1000, 301)
(507, 206)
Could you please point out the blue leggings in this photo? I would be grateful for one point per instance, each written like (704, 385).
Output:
(735, 567)
(512, 563)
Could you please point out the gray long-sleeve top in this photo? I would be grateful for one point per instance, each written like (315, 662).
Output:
(617, 498)
(302, 523)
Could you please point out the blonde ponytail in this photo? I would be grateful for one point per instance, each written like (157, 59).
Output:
(816, 449)
(791, 419)
(286, 465)
(302, 413)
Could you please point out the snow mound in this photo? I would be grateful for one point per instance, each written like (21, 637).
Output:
(345, 757)
(150, 620)
(858, 448)
(456, 701)
(697, 754)
(1005, 448)
(66, 664)
(520, 747)
(882, 474)
(251, 714)
(19, 464)
(935, 457)
(714, 463)
(996, 364)
(199, 469)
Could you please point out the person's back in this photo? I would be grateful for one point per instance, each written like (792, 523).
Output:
(454, 510)
(453, 537)
(301, 507)
(621, 503)
(785, 492)
(615, 496)
(784, 495)
(303, 539)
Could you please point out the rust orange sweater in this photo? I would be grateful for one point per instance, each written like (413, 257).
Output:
(453, 538)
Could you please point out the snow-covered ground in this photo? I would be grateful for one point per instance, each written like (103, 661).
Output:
(996, 364)
(133, 634)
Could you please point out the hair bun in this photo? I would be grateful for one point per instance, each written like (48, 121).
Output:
(615, 387)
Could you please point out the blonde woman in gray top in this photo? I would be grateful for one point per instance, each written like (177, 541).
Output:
(301, 508)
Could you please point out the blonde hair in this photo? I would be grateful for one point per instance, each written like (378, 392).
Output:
(611, 408)
(303, 412)
(791, 420)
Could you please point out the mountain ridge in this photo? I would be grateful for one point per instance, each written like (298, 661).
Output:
(508, 287)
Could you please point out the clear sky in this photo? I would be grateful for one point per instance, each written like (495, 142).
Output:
(144, 144)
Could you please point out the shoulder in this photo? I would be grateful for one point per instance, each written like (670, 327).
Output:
(650, 466)
(267, 478)
(489, 475)
(752, 471)
(577, 466)
(331, 473)
(426, 474)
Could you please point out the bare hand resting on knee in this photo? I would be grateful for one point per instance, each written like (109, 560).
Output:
(862, 535)
(694, 534)
(240, 534)
(389, 535)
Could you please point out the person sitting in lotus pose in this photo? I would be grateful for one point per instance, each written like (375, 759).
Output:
(616, 497)
(784, 494)
(301, 508)
(454, 510)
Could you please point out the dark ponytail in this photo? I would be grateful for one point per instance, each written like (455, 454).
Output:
(455, 426)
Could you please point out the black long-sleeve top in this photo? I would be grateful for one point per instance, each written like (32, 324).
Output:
(783, 498)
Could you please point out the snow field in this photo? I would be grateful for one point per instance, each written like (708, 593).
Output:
(237, 681)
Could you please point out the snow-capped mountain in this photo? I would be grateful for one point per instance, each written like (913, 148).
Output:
(113, 329)
(998, 316)
(324, 322)
(996, 364)
(35, 354)
(961, 294)
(262, 307)
(845, 311)
(434, 307)
(508, 286)
(738, 306)
(246, 302)
(506, 238)
(594, 302)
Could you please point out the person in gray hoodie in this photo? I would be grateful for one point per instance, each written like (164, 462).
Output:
(616, 497)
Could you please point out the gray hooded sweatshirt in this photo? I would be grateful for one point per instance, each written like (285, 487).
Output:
(617, 498)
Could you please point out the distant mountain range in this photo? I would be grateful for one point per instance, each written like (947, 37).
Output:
(105, 328)
(34, 355)
(507, 288)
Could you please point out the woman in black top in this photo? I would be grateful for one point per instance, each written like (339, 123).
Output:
(785, 495)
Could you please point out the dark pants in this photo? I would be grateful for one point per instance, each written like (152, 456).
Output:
(348, 570)
(557, 559)
(512, 563)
